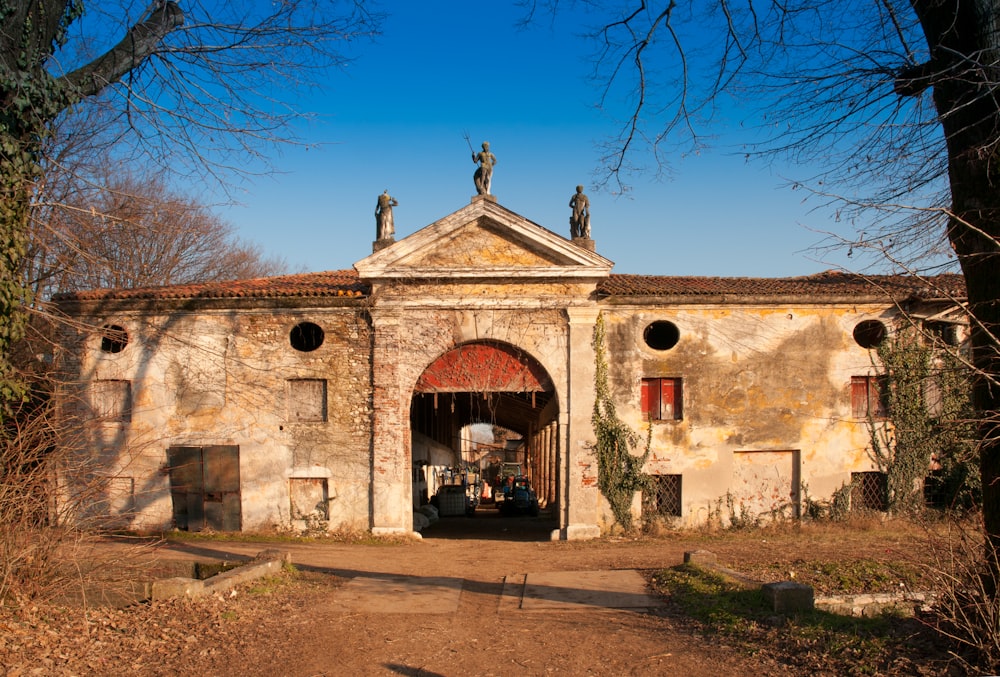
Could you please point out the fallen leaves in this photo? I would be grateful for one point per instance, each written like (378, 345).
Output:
(170, 637)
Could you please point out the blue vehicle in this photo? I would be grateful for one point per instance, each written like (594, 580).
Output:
(519, 498)
(503, 481)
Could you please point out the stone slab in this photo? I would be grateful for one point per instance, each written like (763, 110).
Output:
(788, 596)
(400, 594)
(585, 590)
(267, 563)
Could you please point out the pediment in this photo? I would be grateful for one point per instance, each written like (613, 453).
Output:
(483, 240)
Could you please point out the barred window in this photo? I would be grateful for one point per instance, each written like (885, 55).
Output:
(111, 400)
(306, 336)
(869, 334)
(869, 491)
(114, 338)
(662, 497)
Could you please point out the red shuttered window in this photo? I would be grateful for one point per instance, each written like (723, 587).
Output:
(868, 397)
(662, 399)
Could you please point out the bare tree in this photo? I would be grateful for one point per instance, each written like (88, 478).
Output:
(891, 106)
(129, 231)
(199, 88)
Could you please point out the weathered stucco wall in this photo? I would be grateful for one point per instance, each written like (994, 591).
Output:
(222, 378)
(766, 391)
(764, 381)
(764, 386)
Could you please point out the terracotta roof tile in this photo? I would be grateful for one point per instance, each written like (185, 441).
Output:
(830, 283)
(347, 283)
(329, 283)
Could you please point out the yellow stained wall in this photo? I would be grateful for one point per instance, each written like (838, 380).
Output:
(755, 379)
(221, 378)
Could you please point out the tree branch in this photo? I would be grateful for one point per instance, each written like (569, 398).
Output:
(140, 41)
(913, 80)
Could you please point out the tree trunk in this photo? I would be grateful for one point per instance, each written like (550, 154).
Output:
(964, 41)
(15, 181)
(30, 99)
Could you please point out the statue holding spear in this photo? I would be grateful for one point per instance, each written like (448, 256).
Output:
(484, 174)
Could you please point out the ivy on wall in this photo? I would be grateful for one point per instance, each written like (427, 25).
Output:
(619, 471)
(929, 424)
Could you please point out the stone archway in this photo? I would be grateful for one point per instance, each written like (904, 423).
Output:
(494, 383)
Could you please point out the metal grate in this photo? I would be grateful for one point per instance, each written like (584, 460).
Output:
(869, 491)
(662, 498)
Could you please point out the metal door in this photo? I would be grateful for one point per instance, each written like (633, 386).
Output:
(205, 487)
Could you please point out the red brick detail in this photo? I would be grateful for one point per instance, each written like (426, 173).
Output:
(484, 367)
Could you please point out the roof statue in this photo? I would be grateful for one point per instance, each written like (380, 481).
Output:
(385, 229)
(579, 221)
(484, 174)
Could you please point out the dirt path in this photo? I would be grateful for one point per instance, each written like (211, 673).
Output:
(306, 629)
(480, 635)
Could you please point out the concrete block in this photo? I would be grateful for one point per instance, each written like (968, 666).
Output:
(577, 532)
(167, 588)
(701, 558)
(266, 563)
(225, 582)
(273, 554)
(788, 596)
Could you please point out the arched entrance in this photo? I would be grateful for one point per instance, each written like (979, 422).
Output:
(475, 388)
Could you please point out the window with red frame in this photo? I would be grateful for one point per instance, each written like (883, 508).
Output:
(869, 397)
(662, 399)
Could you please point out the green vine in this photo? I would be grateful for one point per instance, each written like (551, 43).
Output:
(929, 410)
(619, 471)
(30, 99)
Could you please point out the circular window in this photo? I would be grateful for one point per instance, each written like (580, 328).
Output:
(869, 333)
(114, 338)
(306, 336)
(661, 335)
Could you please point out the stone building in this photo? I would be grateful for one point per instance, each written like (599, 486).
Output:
(319, 397)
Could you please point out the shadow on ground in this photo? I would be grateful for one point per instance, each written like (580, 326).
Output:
(488, 524)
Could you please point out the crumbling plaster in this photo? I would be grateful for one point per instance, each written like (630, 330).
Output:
(221, 378)
(755, 378)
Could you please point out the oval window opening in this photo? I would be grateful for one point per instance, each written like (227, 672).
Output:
(114, 338)
(306, 336)
(661, 335)
(869, 334)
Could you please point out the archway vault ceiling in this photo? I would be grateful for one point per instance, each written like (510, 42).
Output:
(520, 412)
(486, 382)
(484, 367)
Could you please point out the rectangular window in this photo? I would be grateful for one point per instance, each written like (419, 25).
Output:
(945, 332)
(310, 498)
(869, 491)
(869, 397)
(662, 497)
(662, 399)
(111, 400)
(933, 397)
(306, 400)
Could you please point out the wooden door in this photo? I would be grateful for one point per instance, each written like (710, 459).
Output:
(205, 487)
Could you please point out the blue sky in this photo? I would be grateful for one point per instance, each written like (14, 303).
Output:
(396, 118)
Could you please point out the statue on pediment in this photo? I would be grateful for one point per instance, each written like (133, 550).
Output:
(579, 222)
(484, 174)
(385, 229)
